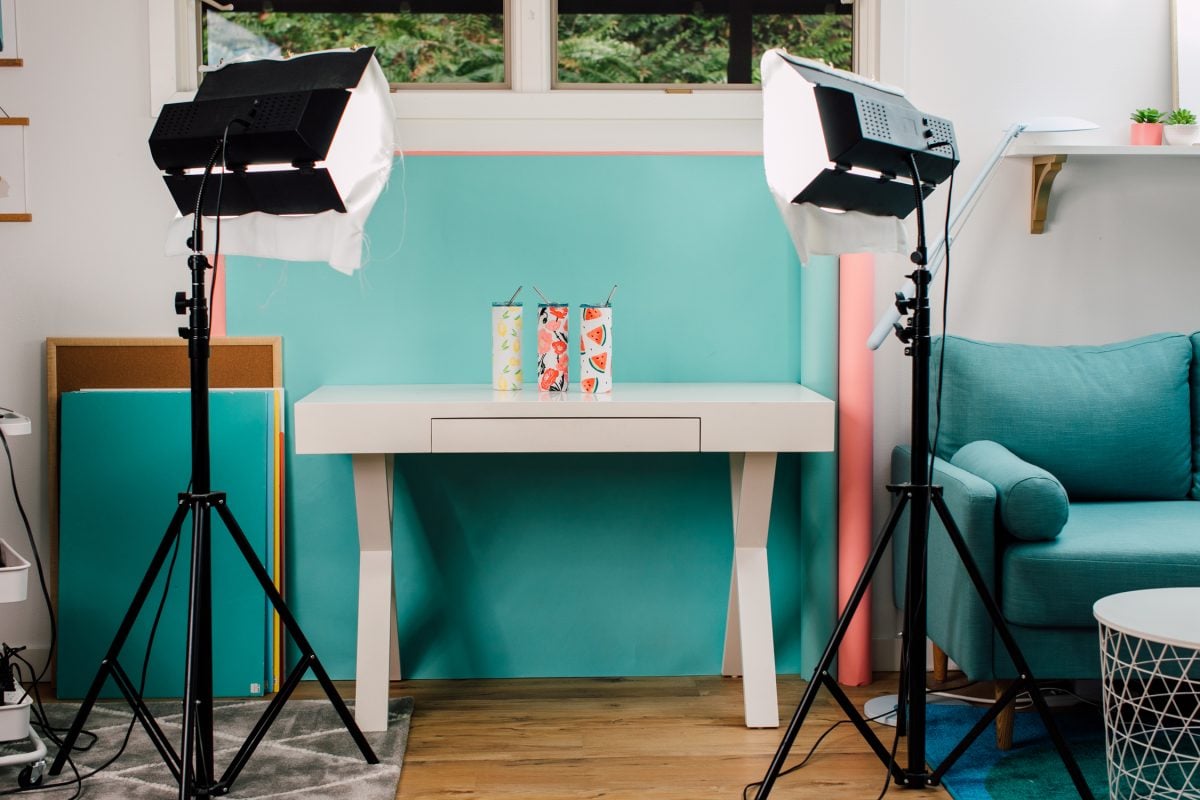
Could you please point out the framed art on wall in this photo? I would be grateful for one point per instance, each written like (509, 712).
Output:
(14, 199)
(10, 55)
(1185, 51)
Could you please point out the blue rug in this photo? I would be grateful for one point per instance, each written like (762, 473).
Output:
(1031, 769)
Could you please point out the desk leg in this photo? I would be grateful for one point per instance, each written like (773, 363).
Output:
(376, 598)
(749, 636)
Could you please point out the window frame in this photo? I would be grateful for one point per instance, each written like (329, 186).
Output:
(532, 116)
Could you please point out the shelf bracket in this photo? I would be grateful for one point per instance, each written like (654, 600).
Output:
(1045, 169)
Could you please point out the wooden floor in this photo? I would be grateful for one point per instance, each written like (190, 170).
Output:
(636, 738)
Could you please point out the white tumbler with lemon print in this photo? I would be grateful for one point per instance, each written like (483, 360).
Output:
(595, 349)
(506, 346)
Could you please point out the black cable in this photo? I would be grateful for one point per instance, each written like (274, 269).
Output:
(37, 558)
(216, 262)
(133, 720)
(36, 678)
(42, 718)
(812, 750)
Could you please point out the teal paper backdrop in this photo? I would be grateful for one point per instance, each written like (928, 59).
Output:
(559, 564)
(125, 458)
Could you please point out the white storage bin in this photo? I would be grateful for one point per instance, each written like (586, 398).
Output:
(14, 716)
(14, 575)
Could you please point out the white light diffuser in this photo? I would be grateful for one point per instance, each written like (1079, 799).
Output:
(359, 161)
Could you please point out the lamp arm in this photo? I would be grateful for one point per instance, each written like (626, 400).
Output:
(958, 218)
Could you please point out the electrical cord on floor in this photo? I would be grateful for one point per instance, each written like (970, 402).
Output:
(36, 677)
(812, 750)
(78, 780)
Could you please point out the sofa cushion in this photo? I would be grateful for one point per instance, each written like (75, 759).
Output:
(1110, 421)
(1103, 549)
(1195, 386)
(1033, 504)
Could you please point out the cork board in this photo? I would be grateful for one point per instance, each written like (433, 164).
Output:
(151, 363)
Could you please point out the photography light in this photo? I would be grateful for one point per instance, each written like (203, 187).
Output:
(309, 145)
(871, 131)
(882, 158)
(289, 156)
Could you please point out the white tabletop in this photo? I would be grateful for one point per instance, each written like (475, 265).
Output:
(1167, 616)
(728, 417)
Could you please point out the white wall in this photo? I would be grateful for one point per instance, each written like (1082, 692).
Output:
(1118, 256)
(90, 263)
(1113, 263)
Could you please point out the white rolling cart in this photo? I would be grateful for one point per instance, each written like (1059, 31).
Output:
(19, 744)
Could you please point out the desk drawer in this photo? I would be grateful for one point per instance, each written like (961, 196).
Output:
(566, 435)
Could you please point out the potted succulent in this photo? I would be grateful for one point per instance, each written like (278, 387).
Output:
(1147, 127)
(1181, 127)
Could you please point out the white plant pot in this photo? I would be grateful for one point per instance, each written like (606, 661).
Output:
(14, 575)
(1181, 134)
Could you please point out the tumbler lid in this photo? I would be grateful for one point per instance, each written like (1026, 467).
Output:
(506, 304)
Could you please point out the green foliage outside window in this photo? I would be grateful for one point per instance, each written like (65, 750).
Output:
(592, 48)
(644, 48)
(411, 48)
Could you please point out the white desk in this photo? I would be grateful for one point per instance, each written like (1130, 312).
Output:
(750, 421)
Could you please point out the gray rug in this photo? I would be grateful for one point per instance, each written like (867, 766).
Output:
(307, 753)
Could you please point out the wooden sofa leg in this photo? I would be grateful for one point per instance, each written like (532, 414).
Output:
(1005, 720)
(941, 663)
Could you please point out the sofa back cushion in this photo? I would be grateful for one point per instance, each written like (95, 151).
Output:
(1195, 386)
(1109, 421)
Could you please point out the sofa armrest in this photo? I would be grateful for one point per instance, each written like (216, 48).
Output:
(957, 620)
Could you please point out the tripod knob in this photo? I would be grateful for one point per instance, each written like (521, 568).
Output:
(903, 304)
(903, 332)
(182, 303)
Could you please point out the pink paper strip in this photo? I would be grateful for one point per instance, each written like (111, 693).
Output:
(856, 386)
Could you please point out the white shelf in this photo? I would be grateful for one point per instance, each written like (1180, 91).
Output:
(1149, 151)
(1047, 161)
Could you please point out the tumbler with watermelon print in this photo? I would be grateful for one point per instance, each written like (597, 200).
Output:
(553, 365)
(595, 349)
(506, 346)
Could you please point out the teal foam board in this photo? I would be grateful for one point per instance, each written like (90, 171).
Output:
(555, 564)
(125, 458)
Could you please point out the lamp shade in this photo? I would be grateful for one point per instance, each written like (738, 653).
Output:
(353, 172)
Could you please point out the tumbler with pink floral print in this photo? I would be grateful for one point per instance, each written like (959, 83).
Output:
(552, 347)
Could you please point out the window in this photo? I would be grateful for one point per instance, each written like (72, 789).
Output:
(579, 114)
(418, 42)
(692, 41)
(597, 42)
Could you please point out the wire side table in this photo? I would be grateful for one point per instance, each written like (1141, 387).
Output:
(1150, 665)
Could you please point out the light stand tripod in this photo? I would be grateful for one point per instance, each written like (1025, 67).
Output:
(194, 768)
(922, 496)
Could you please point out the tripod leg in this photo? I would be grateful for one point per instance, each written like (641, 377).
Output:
(114, 649)
(1010, 644)
(195, 694)
(293, 628)
(821, 673)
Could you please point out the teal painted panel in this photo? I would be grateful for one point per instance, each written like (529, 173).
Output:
(547, 564)
(125, 458)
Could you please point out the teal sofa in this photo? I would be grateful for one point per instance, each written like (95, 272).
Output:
(1089, 484)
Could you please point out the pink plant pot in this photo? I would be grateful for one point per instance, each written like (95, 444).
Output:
(1150, 133)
